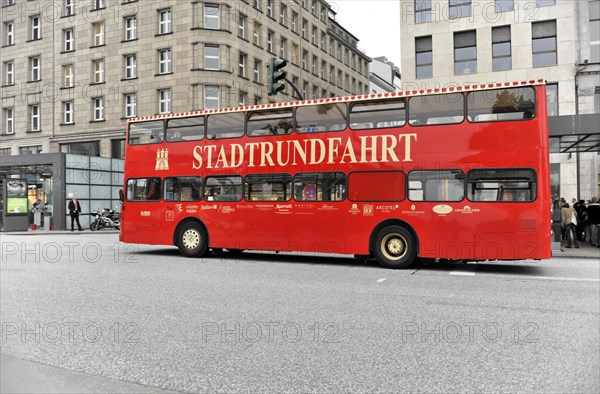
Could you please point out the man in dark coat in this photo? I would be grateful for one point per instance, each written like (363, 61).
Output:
(593, 213)
(74, 211)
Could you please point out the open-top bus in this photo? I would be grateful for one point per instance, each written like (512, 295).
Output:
(455, 173)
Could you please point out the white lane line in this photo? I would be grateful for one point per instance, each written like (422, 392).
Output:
(525, 277)
(461, 273)
(381, 280)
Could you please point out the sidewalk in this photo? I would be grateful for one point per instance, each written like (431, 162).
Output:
(57, 232)
(585, 251)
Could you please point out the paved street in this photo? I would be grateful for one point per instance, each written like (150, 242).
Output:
(90, 314)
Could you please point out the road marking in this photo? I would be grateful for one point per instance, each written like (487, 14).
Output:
(462, 273)
(381, 280)
(558, 278)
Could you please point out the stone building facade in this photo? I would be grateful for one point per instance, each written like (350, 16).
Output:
(463, 42)
(73, 71)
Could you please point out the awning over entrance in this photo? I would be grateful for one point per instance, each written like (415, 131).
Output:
(576, 133)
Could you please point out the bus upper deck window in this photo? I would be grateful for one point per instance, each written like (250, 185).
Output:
(501, 104)
(146, 132)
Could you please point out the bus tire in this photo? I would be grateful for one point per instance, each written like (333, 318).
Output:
(192, 240)
(395, 247)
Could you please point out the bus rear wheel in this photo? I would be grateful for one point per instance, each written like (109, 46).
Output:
(192, 240)
(395, 247)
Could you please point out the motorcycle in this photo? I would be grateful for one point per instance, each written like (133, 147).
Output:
(105, 218)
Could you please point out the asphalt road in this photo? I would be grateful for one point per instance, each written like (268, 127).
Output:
(94, 315)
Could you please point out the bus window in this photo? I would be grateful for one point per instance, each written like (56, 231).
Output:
(376, 186)
(378, 114)
(446, 185)
(225, 125)
(271, 187)
(143, 189)
(501, 104)
(183, 188)
(276, 122)
(321, 117)
(518, 185)
(223, 188)
(436, 109)
(146, 132)
(320, 186)
(185, 129)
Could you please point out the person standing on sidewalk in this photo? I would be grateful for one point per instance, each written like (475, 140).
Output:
(593, 213)
(74, 211)
(568, 221)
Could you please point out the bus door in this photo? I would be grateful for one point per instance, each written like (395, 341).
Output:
(142, 211)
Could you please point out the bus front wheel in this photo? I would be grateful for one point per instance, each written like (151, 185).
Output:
(395, 247)
(192, 240)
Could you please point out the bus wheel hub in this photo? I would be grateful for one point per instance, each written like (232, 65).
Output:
(394, 246)
(191, 239)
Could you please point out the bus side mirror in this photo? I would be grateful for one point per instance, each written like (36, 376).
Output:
(121, 196)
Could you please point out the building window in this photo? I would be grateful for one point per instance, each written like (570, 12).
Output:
(323, 70)
(212, 59)
(68, 81)
(283, 48)
(544, 43)
(98, 29)
(91, 148)
(98, 108)
(283, 14)
(257, 68)
(9, 73)
(294, 24)
(256, 33)
(5, 152)
(305, 59)
(98, 67)
(9, 33)
(304, 29)
(465, 52)
(164, 101)
(243, 96)
(242, 26)
(9, 120)
(35, 67)
(314, 66)
(34, 117)
(242, 65)
(295, 52)
(552, 99)
(130, 28)
(270, 37)
(544, 3)
(211, 17)
(69, 38)
(211, 97)
(130, 66)
(504, 5)
(164, 61)
(164, 21)
(597, 100)
(594, 11)
(30, 150)
(270, 8)
(313, 36)
(501, 50)
(69, 8)
(68, 112)
(459, 9)
(35, 25)
(323, 41)
(98, 4)
(130, 100)
(423, 11)
(424, 57)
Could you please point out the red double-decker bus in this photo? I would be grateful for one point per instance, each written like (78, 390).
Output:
(457, 173)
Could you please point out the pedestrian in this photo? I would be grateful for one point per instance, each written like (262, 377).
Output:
(593, 213)
(568, 221)
(582, 219)
(74, 211)
(563, 234)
